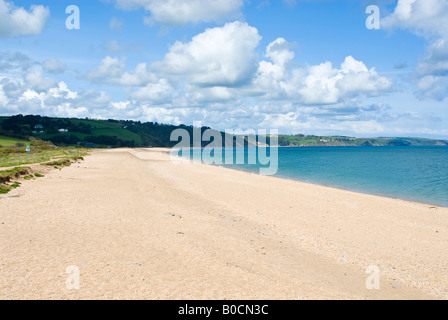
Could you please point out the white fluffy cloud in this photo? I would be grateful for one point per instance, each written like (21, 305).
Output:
(156, 93)
(427, 18)
(327, 85)
(180, 12)
(220, 67)
(35, 78)
(55, 101)
(59, 100)
(17, 21)
(222, 56)
(112, 71)
(108, 69)
(279, 52)
(140, 76)
(53, 66)
(272, 78)
(217, 77)
(355, 79)
(316, 85)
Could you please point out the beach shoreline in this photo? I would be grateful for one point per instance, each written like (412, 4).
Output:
(359, 191)
(140, 227)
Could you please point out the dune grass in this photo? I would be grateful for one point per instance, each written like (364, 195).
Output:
(5, 188)
(64, 158)
(13, 152)
(13, 156)
(44, 156)
(8, 175)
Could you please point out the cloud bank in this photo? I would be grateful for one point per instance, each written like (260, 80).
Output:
(428, 19)
(17, 21)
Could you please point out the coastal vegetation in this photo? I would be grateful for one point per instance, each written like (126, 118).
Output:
(339, 141)
(58, 155)
(10, 174)
(88, 132)
(6, 176)
(94, 133)
(14, 155)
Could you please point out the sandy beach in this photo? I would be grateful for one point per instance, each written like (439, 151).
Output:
(140, 227)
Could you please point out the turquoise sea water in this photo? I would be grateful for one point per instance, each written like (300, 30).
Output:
(417, 174)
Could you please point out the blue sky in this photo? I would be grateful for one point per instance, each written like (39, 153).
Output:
(298, 66)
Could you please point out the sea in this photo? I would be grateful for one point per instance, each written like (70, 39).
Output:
(418, 174)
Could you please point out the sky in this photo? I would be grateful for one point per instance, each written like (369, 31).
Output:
(298, 66)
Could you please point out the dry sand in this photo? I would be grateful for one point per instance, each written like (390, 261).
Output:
(139, 227)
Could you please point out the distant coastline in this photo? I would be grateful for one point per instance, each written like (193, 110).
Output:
(95, 133)
(338, 141)
(356, 146)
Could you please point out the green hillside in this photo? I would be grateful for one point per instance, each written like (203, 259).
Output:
(9, 142)
(326, 141)
(91, 133)
(121, 133)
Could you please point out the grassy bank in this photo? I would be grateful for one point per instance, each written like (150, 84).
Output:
(13, 152)
(8, 175)
(43, 157)
(13, 156)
